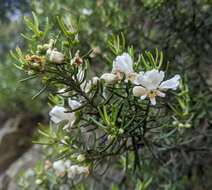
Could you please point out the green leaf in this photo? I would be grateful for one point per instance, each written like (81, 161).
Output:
(97, 123)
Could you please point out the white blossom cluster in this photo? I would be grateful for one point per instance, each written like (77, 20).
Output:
(62, 168)
(58, 113)
(148, 84)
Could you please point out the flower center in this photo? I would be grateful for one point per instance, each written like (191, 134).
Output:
(152, 94)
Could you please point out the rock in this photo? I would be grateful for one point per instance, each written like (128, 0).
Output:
(15, 138)
(27, 160)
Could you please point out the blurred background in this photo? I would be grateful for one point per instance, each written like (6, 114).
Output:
(182, 29)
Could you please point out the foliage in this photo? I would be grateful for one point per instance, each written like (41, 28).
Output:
(153, 146)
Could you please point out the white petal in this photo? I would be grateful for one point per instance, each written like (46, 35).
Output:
(123, 64)
(131, 76)
(58, 114)
(73, 104)
(161, 94)
(55, 119)
(109, 78)
(95, 80)
(87, 12)
(59, 166)
(153, 101)
(150, 79)
(67, 163)
(172, 83)
(138, 78)
(82, 170)
(139, 91)
(56, 57)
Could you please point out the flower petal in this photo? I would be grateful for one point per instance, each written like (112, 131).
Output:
(153, 100)
(138, 78)
(131, 76)
(73, 104)
(139, 91)
(172, 83)
(56, 57)
(150, 79)
(59, 166)
(109, 78)
(123, 64)
(161, 94)
(58, 114)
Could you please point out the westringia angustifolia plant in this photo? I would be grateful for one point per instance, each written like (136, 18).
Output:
(98, 121)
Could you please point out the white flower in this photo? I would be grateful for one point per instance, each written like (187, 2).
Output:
(75, 170)
(63, 167)
(67, 163)
(95, 80)
(109, 78)
(83, 170)
(123, 64)
(72, 171)
(58, 114)
(150, 85)
(51, 43)
(87, 12)
(38, 181)
(55, 56)
(73, 104)
(59, 167)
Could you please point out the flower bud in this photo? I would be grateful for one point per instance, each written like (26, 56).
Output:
(110, 137)
(138, 91)
(121, 131)
(180, 125)
(73, 104)
(80, 158)
(30, 72)
(46, 47)
(95, 80)
(174, 123)
(38, 181)
(39, 47)
(56, 57)
(51, 42)
(109, 78)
